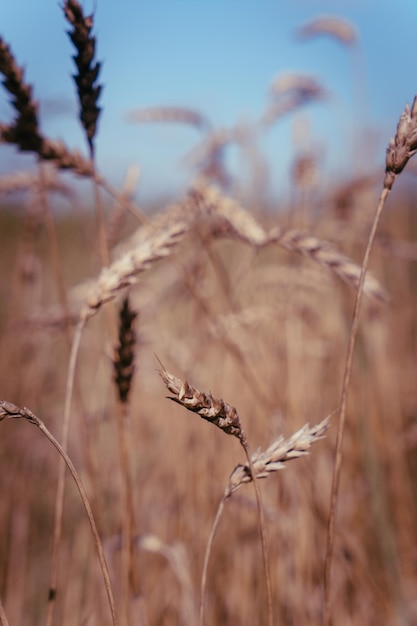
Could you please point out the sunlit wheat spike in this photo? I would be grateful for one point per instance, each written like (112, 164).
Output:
(229, 219)
(277, 454)
(153, 241)
(88, 70)
(403, 146)
(234, 221)
(207, 406)
(24, 132)
(125, 270)
(328, 256)
(181, 115)
(339, 29)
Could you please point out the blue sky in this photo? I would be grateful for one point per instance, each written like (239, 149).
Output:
(218, 57)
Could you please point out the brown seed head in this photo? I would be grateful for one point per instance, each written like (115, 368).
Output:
(210, 408)
(403, 146)
(88, 71)
(124, 362)
(24, 132)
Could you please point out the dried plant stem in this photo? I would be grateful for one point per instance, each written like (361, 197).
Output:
(3, 617)
(10, 410)
(90, 516)
(263, 533)
(122, 199)
(101, 227)
(206, 559)
(59, 500)
(127, 523)
(264, 544)
(55, 254)
(343, 410)
(224, 416)
(261, 465)
(129, 569)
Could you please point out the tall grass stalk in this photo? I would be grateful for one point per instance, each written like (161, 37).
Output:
(9, 410)
(399, 151)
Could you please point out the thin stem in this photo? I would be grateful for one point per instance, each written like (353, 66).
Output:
(101, 229)
(206, 559)
(121, 198)
(343, 410)
(129, 572)
(59, 500)
(3, 617)
(67, 461)
(262, 529)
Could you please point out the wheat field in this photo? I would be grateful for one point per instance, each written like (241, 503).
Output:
(128, 334)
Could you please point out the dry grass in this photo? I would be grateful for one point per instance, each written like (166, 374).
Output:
(248, 309)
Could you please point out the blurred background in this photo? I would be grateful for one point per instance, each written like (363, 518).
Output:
(290, 117)
(219, 59)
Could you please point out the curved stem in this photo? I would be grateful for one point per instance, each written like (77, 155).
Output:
(343, 409)
(59, 500)
(66, 459)
(262, 530)
(3, 617)
(206, 559)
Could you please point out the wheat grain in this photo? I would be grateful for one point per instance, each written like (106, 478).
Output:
(403, 146)
(277, 454)
(154, 241)
(25, 130)
(124, 360)
(87, 70)
(233, 220)
(207, 406)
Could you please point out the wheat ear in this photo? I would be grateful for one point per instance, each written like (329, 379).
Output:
(400, 149)
(225, 417)
(264, 463)
(87, 69)
(234, 221)
(9, 410)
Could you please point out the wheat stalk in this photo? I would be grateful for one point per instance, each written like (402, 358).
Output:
(277, 454)
(400, 149)
(263, 464)
(11, 411)
(224, 416)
